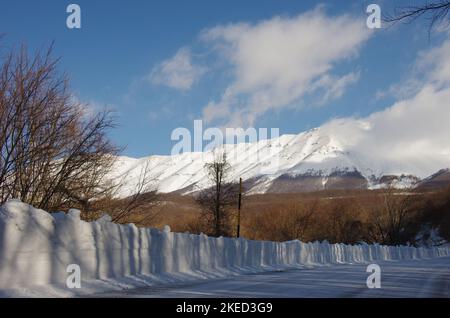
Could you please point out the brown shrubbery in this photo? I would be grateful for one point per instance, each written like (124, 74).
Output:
(387, 217)
(435, 211)
(286, 223)
(383, 216)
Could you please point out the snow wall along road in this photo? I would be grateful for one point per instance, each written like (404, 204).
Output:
(36, 247)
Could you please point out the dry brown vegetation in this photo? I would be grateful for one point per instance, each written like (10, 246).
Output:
(384, 216)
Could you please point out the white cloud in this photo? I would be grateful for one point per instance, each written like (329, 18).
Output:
(432, 67)
(89, 107)
(279, 61)
(177, 72)
(405, 89)
(413, 134)
(436, 62)
(335, 86)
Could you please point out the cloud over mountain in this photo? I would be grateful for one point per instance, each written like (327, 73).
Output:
(279, 61)
(414, 133)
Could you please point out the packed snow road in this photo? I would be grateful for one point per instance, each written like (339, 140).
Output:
(421, 278)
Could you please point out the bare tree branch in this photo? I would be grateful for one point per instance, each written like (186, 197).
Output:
(435, 12)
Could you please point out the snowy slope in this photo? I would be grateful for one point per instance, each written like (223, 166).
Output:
(316, 154)
(37, 247)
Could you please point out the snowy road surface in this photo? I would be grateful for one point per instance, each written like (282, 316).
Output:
(424, 278)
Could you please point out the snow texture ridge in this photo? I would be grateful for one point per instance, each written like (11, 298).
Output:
(36, 247)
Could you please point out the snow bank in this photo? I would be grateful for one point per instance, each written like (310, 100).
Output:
(36, 247)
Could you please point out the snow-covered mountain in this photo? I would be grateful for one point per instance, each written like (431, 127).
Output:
(312, 160)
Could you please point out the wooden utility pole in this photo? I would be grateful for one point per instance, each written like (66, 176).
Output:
(239, 208)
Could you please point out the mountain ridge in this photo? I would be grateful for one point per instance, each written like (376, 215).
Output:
(309, 161)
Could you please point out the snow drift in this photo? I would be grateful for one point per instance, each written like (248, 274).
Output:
(36, 247)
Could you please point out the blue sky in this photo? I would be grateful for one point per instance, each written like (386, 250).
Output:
(126, 55)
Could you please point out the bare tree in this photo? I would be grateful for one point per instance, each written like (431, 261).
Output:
(51, 153)
(295, 221)
(218, 200)
(143, 198)
(434, 11)
(344, 224)
(390, 217)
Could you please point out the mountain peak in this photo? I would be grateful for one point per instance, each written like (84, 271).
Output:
(312, 160)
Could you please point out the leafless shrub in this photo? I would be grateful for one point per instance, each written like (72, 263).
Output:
(143, 198)
(290, 223)
(53, 155)
(390, 217)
